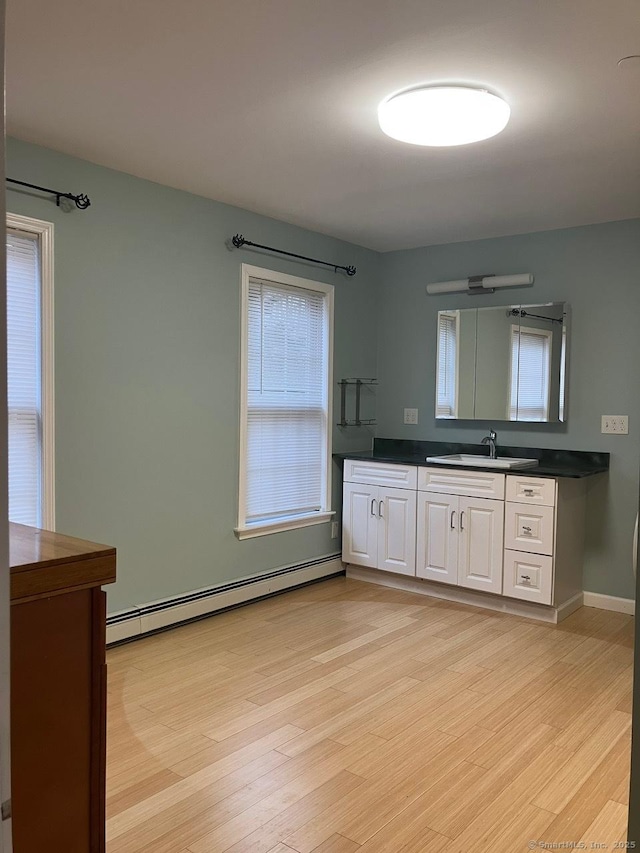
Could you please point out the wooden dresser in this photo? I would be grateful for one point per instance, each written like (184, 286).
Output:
(58, 691)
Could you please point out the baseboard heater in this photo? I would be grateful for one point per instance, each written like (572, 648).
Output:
(154, 616)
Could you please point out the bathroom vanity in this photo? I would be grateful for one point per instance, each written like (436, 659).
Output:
(511, 540)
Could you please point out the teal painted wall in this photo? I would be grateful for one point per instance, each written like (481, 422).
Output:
(147, 358)
(597, 270)
(147, 323)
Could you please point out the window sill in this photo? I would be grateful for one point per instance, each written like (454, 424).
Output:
(284, 524)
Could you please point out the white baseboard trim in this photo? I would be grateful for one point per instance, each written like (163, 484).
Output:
(146, 618)
(568, 607)
(609, 602)
(124, 630)
(541, 612)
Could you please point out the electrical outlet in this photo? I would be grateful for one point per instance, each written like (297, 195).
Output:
(411, 416)
(335, 529)
(615, 424)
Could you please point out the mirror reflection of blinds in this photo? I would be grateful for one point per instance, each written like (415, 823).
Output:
(24, 388)
(530, 372)
(447, 365)
(287, 401)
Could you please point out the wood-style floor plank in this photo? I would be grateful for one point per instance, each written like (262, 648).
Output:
(608, 783)
(585, 761)
(346, 717)
(610, 823)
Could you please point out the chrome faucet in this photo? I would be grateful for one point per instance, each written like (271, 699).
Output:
(492, 441)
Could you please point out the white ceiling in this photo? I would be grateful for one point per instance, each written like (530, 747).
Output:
(271, 105)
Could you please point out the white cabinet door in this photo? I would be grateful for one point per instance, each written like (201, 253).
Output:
(397, 531)
(481, 544)
(360, 524)
(437, 551)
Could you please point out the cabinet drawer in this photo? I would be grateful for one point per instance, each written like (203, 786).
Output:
(475, 484)
(380, 474)
(531, 490)
(528, 576)
(529, 528)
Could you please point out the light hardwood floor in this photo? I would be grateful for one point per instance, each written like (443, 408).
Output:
(350, 718)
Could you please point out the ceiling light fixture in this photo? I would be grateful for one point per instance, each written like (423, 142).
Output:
(443, 115)
(630, 63)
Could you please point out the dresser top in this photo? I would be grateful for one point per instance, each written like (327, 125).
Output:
(46, 563)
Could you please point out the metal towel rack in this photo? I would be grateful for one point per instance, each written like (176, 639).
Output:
(357, 421)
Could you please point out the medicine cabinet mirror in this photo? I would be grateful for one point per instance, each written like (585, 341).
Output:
(507, 363)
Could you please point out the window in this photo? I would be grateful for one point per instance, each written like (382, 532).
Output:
(530, 370)
(447, 378)
(285, 418)
(30, 370)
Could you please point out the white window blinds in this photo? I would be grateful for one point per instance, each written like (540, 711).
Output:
(286, 403)
(446, 402)
(530, 371)
(24, 387)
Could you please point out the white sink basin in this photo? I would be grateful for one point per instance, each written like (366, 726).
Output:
(482, 461)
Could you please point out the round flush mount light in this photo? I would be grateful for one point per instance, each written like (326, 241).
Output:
(630, 63)
(443, 115)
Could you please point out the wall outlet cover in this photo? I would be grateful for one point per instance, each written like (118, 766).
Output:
(335, 529)
(615, 424)
(411, 416)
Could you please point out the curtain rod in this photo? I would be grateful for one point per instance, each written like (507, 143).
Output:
(239, 241)
(82, 201)
(515, 312)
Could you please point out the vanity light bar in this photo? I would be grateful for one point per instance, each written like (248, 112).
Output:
(480, 283)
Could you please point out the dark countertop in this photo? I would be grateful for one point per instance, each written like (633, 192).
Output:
(553, 463)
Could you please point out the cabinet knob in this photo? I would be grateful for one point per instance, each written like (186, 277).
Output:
(528, 493)
(525, 578)
(526, 531)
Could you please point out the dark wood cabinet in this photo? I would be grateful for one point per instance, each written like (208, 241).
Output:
(58, 691)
